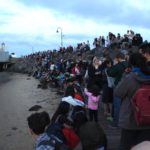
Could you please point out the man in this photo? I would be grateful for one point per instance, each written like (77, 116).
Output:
(117, 71)
(132, 133)
(145, 50)
(45, 134)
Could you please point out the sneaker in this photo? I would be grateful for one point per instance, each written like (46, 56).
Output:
(109, 118)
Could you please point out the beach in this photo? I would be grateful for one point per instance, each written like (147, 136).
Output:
(18, 93)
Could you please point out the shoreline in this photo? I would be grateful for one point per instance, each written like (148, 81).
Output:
(18, 94)
(22, 94)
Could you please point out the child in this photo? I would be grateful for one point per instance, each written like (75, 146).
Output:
(93, 94)
(39, 125)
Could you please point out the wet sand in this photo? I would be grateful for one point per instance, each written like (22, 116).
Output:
(18, 93)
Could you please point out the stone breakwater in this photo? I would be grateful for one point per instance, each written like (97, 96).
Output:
(22, 66)
(27, 66)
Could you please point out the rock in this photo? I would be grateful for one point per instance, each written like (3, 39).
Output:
(35, 108)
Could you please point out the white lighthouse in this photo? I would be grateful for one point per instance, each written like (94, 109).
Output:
(2, 49)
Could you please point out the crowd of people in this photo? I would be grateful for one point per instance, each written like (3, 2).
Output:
(127, 40)
(85, 86)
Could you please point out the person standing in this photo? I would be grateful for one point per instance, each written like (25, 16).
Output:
(93, 101)
(145, 50)
(131, 133)
(116, 71)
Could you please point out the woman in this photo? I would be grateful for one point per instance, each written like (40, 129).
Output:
(62, 126)
(95, 73)
(132, 134)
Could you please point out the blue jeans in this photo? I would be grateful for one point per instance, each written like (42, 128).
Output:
(116, 110)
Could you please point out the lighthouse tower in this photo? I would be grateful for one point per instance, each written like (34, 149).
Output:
(2, 49)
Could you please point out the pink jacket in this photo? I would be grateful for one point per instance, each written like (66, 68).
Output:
(92, 100)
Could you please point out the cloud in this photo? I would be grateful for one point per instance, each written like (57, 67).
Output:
(29, 23)
(116, 11)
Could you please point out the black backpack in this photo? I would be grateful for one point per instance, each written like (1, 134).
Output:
(56, 129)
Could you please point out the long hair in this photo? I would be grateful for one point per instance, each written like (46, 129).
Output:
(94, 89)
(63, 109)
(70, 91)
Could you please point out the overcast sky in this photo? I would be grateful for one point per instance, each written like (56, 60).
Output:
(27, 26)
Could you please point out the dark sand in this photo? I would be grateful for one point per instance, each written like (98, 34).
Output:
(18, 93)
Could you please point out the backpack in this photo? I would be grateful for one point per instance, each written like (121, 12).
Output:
(110, 80)
(56, 129)
(77, 110)
(141, 104)
(54, 142)
(71, 137)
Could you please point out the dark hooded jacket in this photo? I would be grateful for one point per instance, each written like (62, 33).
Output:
(125, 90)
(117, 71)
